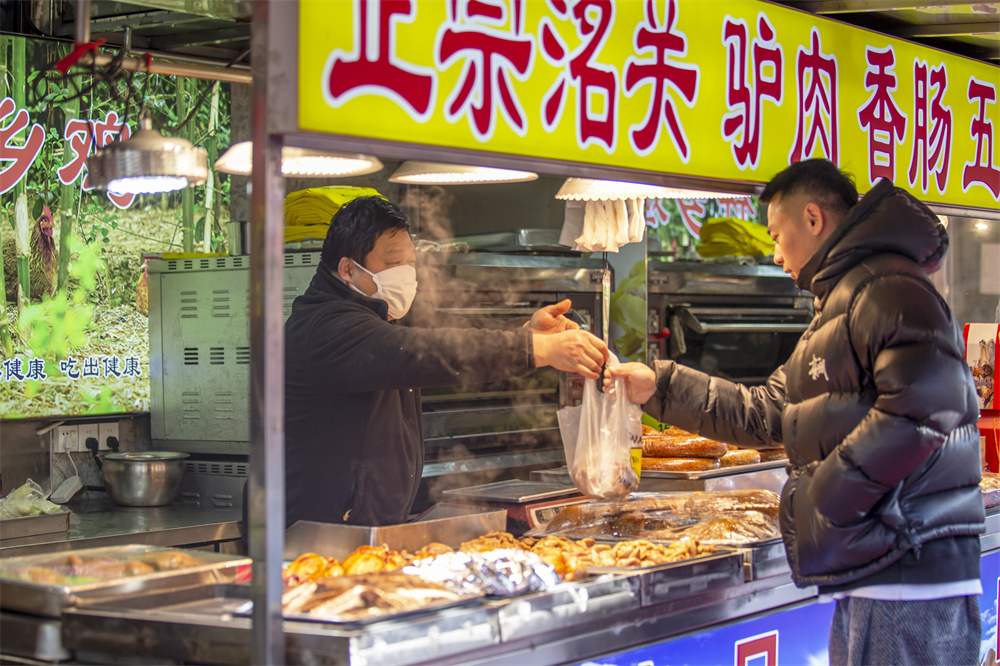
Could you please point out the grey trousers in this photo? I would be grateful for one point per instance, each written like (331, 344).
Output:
(871, 632)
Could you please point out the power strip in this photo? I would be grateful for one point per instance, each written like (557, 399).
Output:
(64, 493)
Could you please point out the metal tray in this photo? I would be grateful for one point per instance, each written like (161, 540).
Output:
(25, 526)
(198, 625)
(665, 582)
(541, 613)
(246, 610)
(340, 541)
(50, 600)
(765, 559)
(714, 473)
(513, 490)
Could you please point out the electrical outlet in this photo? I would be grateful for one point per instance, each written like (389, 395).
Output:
(87, 430)
(106, 430)
(65, 438)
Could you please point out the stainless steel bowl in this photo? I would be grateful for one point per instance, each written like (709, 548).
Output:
(143, 478)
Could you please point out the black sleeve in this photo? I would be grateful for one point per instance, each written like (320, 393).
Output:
(366, 353)
(717, 408)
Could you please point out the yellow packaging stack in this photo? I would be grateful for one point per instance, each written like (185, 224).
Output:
(726, 236)
(308, 212)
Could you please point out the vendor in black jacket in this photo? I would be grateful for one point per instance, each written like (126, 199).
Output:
(355, 364)
(877, 412)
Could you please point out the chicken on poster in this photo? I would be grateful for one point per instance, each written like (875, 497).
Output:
(980, 353)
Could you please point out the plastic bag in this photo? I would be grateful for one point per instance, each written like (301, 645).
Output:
(26, 500)
(602, 439)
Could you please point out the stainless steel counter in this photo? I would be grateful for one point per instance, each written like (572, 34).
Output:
(101, 522)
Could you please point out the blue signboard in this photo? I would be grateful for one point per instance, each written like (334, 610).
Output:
(798, 635)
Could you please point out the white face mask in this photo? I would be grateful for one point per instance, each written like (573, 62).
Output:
(396, 286)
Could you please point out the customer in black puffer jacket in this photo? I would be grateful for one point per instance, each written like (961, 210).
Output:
(877, 412)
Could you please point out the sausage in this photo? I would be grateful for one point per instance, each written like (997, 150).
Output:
(687, 446)
(740, 457)
(679, 464)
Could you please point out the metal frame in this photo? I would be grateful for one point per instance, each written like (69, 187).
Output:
(275, 85)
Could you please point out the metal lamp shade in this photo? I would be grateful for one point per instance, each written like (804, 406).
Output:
(148, 162)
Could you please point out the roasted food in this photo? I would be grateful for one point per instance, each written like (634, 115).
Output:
(310, 566)
(681, 446)
(768, 455)
(671, 516)
(491, 541)
(360, 597)
(432, 549)
(731, 528)
(372, 559)
(652, 464)
(740, 457)
(77, 570)
(572, 558)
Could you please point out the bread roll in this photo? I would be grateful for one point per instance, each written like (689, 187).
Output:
(768, 455)
(649, 430)
(686, 446)
(679, 464)
(740, 457)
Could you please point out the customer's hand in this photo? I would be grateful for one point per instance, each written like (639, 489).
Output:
(640, 380)
(571, 351)
(550, 319)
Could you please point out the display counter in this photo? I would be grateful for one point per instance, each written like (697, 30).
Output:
(695, 611)
(100, 522)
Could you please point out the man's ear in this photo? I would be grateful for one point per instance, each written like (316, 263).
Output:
(816, 219)
(344, 269)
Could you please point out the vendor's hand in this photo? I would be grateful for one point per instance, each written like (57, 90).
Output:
(640, 380)
(571, 351)
(550, 319)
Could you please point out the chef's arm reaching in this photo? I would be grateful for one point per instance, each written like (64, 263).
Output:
(552, 319)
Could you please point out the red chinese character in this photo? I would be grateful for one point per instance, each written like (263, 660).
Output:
(78, 134)
(931, 127)
(663, 74)
(596, 121)
(81, 135)
(373, 68)
(741, 208)
(981, 170)
(20, 156)
(742, 125)
(655, 213)
(884, 120)
(689, 208)
(816, 116)
(488, 35)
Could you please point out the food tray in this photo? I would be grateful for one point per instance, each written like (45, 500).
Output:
(49, 600)
(673, 580)
(542, 613)
(764, 559)
(513, 490)
(714, 473)
(246, 610)
(25, 526)
(330, 540)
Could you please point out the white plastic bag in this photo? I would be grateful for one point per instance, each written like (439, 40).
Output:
(603, 441)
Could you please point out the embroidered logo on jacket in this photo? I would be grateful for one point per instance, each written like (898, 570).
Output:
(817, 368)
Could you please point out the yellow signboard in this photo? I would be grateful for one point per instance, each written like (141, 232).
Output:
(731, 90)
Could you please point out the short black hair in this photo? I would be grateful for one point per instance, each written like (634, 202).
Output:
(356, 226)
(832, 188)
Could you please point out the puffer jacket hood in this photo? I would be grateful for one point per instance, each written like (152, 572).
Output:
(895, 223)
